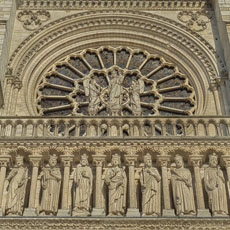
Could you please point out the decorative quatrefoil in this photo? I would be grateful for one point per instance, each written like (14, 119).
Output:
(33, 19)
(197, 21)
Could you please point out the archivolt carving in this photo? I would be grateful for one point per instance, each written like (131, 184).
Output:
(143, 22)
(196, 21)
(114, 81)
(33, 19)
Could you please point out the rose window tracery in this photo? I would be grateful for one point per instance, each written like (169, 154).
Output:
(116, 82)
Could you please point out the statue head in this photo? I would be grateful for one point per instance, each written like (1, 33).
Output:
(84, 160)
(114, 73)
(148, 160)
(19, 161)
(179, 161)
(116, 160)
(53, 160)
(213, 160)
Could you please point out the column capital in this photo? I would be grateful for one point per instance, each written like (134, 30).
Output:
(66, 159)
(195, 160)
(4, 160)
(226, 160)
(163, 160)
(131, 159)
(99, 159)
(35, 160)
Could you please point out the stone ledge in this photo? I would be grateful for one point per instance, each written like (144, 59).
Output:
(114, 223)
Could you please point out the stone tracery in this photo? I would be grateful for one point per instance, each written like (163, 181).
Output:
(116, 82)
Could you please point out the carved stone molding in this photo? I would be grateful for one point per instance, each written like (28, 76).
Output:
(113, 223)
(196, 21)
(132, 4)
(112, 21)
(32, 20)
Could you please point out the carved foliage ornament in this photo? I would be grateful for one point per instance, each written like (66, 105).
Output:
(116, 82)
(196, 21)
(33, 19)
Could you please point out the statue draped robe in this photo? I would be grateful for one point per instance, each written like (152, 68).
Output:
(51, 182)
(150, 191)
(18, 178)
(215, 187)
(182, 191)
(116, 180)
(83, 179)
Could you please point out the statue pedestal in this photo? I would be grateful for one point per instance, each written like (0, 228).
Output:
(98, 212)
(168, 212)
(133, 212)
(29, 212)
(203, 213)
(63, 212)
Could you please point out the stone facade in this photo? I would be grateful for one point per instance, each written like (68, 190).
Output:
(115, 114)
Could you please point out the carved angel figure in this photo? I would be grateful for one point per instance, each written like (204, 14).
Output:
(17, 179)
(150, 186)
(50, 182)
(93, 91)
(136, 89)
(83, 179)
(116, 180)
(182, 188)
(115, 90)
(215, 187)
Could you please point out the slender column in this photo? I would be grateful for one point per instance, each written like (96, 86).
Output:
(66, 159)
(163, 161)
(226, 161)
(4, 160)
(98, 209)
(195, 161)
(17, 87)
(214, 88)
(8, 92)
(35, 160)
(132, 210)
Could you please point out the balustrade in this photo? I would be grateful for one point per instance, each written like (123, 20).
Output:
(76, 127)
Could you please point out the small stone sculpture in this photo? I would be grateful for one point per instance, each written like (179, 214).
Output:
(83, 179)
(17, 179)
(51, 183)
(116, 180)
(150, 186)
(182, 188)
(215, 187)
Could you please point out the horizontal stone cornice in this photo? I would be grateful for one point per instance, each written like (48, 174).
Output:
(118, 223)
(113, 4)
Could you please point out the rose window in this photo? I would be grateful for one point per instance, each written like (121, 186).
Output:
(114, 82)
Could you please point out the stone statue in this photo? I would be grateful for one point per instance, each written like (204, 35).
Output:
(116, 180)
(182, 188)
(150, 186)
(136, 88)
(93, 91)
(83, 179)
(50, 182)
(16, 191)
(115, 90)
(215, 187)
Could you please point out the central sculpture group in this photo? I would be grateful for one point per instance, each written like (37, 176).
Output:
(115, 179)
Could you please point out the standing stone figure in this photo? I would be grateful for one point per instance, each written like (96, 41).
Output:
(50, 182)
(150, 186)
(115, 93)
(136, 88)
(182, 188)
(215, 187)
(17, 179)
(83, 179)
(116, 180)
